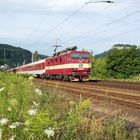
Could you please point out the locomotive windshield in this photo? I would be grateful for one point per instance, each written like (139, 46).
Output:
(85, 56)
(80, 56)
(75, 56)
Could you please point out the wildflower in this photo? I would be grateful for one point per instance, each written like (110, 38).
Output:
(1, 89)
(38, 91)
(14, 125)
(13, 137)
(49, 132)
(9, 109)
(31, 112)
(4, 121)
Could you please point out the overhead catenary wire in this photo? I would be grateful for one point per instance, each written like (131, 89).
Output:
(60, 23)
(117, 35)
(110, 29)
(104, 25)
(41, 21)
(87, 19)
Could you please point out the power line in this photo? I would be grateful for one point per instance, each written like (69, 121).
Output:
(110, 29)
(41, 21)
(60, 23)
(117, 35)
(104, 25)
(87, 19)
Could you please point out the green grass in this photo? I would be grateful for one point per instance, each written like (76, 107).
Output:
(131, 79)
(30, 112)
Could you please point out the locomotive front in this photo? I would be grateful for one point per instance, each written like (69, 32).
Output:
(68, 64)
(80, 65)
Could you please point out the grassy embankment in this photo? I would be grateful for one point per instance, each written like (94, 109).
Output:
(28, 112)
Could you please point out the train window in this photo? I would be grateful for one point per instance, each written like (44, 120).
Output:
(56, 60)
(48, 62)
(75, 56)
(39, 65)
(85, 56)
(52, 61)
(60, 60)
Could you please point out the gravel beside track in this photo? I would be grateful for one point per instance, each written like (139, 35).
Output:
(122, 96)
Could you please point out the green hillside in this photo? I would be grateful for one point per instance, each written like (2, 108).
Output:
(15, 56)
(102, 55)
(117, 46)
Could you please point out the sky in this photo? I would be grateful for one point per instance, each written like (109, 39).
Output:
(41, 24)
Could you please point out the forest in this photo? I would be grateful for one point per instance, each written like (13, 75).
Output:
(122, 61)
(16, 56)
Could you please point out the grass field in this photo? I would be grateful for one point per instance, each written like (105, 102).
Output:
(29, 112)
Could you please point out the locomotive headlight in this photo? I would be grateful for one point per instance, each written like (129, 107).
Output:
(80, 65)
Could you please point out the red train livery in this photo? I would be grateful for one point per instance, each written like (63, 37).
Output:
(68, 65)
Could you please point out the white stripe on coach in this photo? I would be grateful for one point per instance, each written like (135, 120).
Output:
(66, 66)
(32, 72)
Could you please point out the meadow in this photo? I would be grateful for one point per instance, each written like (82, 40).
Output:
(31, 112)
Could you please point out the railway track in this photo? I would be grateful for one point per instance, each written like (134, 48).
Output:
(122, 97)
(116, 84)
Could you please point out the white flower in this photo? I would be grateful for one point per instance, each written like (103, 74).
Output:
(13, 137)
(31, 112)
(4, 121)
(14, 125)
(38, 91)
(49, 132)
(18, 123)
(1, 89)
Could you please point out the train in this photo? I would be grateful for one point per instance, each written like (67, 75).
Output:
(68, 64)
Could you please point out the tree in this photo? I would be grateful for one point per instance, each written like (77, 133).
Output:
(99, 70)
(124, 62)
(13, 56)
(35, 56)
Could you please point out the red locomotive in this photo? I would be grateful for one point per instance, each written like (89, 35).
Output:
(68, 64)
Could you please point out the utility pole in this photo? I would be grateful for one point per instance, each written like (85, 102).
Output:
(4, 55)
